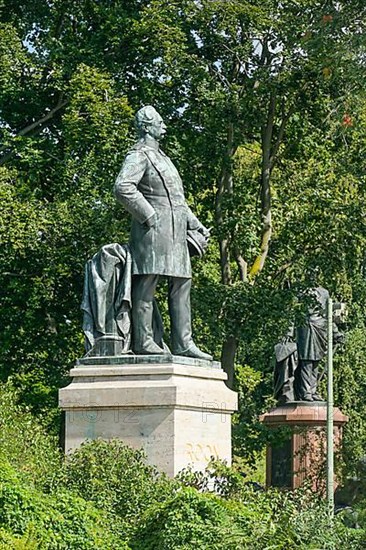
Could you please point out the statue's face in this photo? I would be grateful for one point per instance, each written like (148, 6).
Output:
(157, 128)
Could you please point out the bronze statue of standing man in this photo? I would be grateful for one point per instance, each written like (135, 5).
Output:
(296, 374)
(150, 188)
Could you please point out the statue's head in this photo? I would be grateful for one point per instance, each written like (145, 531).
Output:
(149, 122)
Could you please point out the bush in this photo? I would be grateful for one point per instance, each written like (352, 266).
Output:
(59, 521)
(188, 520)
(115, 478)
(260, 521)
(24, 442)
(105, 496)
(13, 542)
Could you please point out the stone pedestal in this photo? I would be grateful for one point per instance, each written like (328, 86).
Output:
(177, 409)
(301, 455)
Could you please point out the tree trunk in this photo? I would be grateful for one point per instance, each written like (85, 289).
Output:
(228, 354)
(266, 214)
(225, 188)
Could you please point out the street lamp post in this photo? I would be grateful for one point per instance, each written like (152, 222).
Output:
(330, 404)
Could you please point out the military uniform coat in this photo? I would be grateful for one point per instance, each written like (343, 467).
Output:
(149, 184)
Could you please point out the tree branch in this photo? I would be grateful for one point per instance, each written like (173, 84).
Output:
(34, 125)
(242, 265)
(280, 135)
(214, 70)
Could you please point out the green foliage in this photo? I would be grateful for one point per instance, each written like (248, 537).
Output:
(71, 75)
(13, 59)
(105, 496)
(36, 510)
(56, 521)
(350, 383)
(115, 478)
(25, 444)
(227, 482)
(56, 210)
(186, 521)
(14, 542)
(256, 521)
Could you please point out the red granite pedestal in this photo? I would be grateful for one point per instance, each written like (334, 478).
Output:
(301, 453)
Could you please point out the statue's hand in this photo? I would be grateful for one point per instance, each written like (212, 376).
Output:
(339, 338)
(151, 222)
(204, 231)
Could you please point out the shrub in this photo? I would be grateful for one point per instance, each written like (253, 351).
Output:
(260, 521)
(105, 496)
(61, 521)
(116, 478)
(188, 520)
(24, 442)
(14, 542)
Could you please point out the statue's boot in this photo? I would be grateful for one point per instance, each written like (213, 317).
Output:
(306, 397)
(180, 319)
(283, 399)
(143, 340)
(194, 352)
(317, 397)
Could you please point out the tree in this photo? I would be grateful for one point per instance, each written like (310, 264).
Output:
(57, 207)
(246, 73)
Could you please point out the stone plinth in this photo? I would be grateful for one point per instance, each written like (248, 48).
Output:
(302, 453)
(177, 409)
